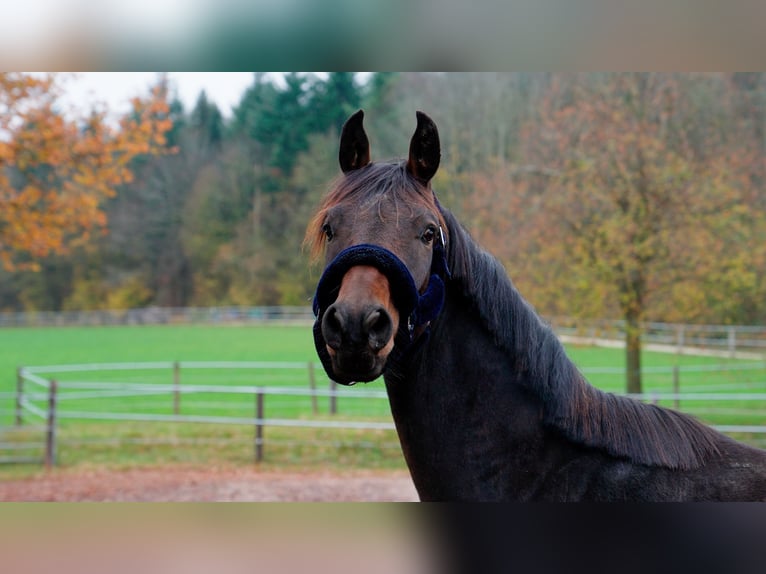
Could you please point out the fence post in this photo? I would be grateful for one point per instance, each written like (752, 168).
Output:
(19, 396)
(676, 386)
(176, 388)
(333, 398)
(680, 339)
(313, 385)
(732, 342)
(50, 431)
(258, 424)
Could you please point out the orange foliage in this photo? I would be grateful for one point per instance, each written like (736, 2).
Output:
(55, 172)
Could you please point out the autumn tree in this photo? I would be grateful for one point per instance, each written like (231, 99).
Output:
(56, 169)
(247, 208)
(630, 192)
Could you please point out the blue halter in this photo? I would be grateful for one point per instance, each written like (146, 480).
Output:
(417, 310)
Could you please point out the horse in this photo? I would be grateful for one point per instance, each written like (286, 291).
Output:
(486, 403)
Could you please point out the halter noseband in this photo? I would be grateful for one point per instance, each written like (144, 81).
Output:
(417, 310)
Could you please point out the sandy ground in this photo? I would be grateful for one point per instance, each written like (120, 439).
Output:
(239, 539)
(178, 484)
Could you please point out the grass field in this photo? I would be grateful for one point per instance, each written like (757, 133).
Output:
(67, 345)
(96, 442)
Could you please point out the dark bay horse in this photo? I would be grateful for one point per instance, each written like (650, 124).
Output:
(486, 403)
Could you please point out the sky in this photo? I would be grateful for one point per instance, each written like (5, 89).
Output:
(115, 89)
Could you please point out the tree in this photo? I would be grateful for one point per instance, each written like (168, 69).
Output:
(635, 189)
(335, 99)
(206, 118)
(56, 171)
(145, 243)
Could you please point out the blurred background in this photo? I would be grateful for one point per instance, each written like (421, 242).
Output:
(422, 34)
(634, 196)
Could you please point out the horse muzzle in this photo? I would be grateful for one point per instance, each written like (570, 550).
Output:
(366, 304)
(359, 327)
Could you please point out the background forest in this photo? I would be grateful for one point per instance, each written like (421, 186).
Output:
(630, 196)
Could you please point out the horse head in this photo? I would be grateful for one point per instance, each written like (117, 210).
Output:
(381, 231)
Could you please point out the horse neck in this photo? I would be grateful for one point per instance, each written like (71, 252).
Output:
(538, 363)
(481, 282)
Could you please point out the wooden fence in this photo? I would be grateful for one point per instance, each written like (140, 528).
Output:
(42, 396)
(43, 399)
(730, 341)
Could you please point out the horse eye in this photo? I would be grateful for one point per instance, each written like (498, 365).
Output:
(428, 235)
(328, 231)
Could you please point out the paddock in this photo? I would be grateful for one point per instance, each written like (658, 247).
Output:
(164, 412)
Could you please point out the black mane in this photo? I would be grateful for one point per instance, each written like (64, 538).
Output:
(623, 427)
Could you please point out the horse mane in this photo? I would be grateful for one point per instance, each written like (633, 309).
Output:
(623, 427)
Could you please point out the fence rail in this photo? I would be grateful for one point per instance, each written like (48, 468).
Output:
(48, 398)
(744, 341)
(44, 397)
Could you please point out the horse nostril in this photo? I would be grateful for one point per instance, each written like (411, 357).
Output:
(343, 326)
(379, 328)
(332, 327)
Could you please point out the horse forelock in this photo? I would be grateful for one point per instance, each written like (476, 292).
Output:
(585, 415)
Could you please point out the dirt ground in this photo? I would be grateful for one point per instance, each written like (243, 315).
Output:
(179, 484)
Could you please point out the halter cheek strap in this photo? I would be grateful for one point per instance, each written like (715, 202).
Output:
(430, 303)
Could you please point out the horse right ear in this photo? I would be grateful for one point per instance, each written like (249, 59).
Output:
(425, 150)
(354, 146)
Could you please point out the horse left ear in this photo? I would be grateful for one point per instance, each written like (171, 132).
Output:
(425, 150)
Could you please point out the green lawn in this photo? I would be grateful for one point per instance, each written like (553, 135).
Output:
(67, 345)
(47, 346)
(51, 346)
(61, 345)
(604, 368)
(696, 374)
(137, 443)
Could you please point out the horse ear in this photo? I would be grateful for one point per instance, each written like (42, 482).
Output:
(354, 145)
(425, 151)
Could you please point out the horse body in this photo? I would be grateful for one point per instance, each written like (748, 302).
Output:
(472, 428)
(486, 403)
